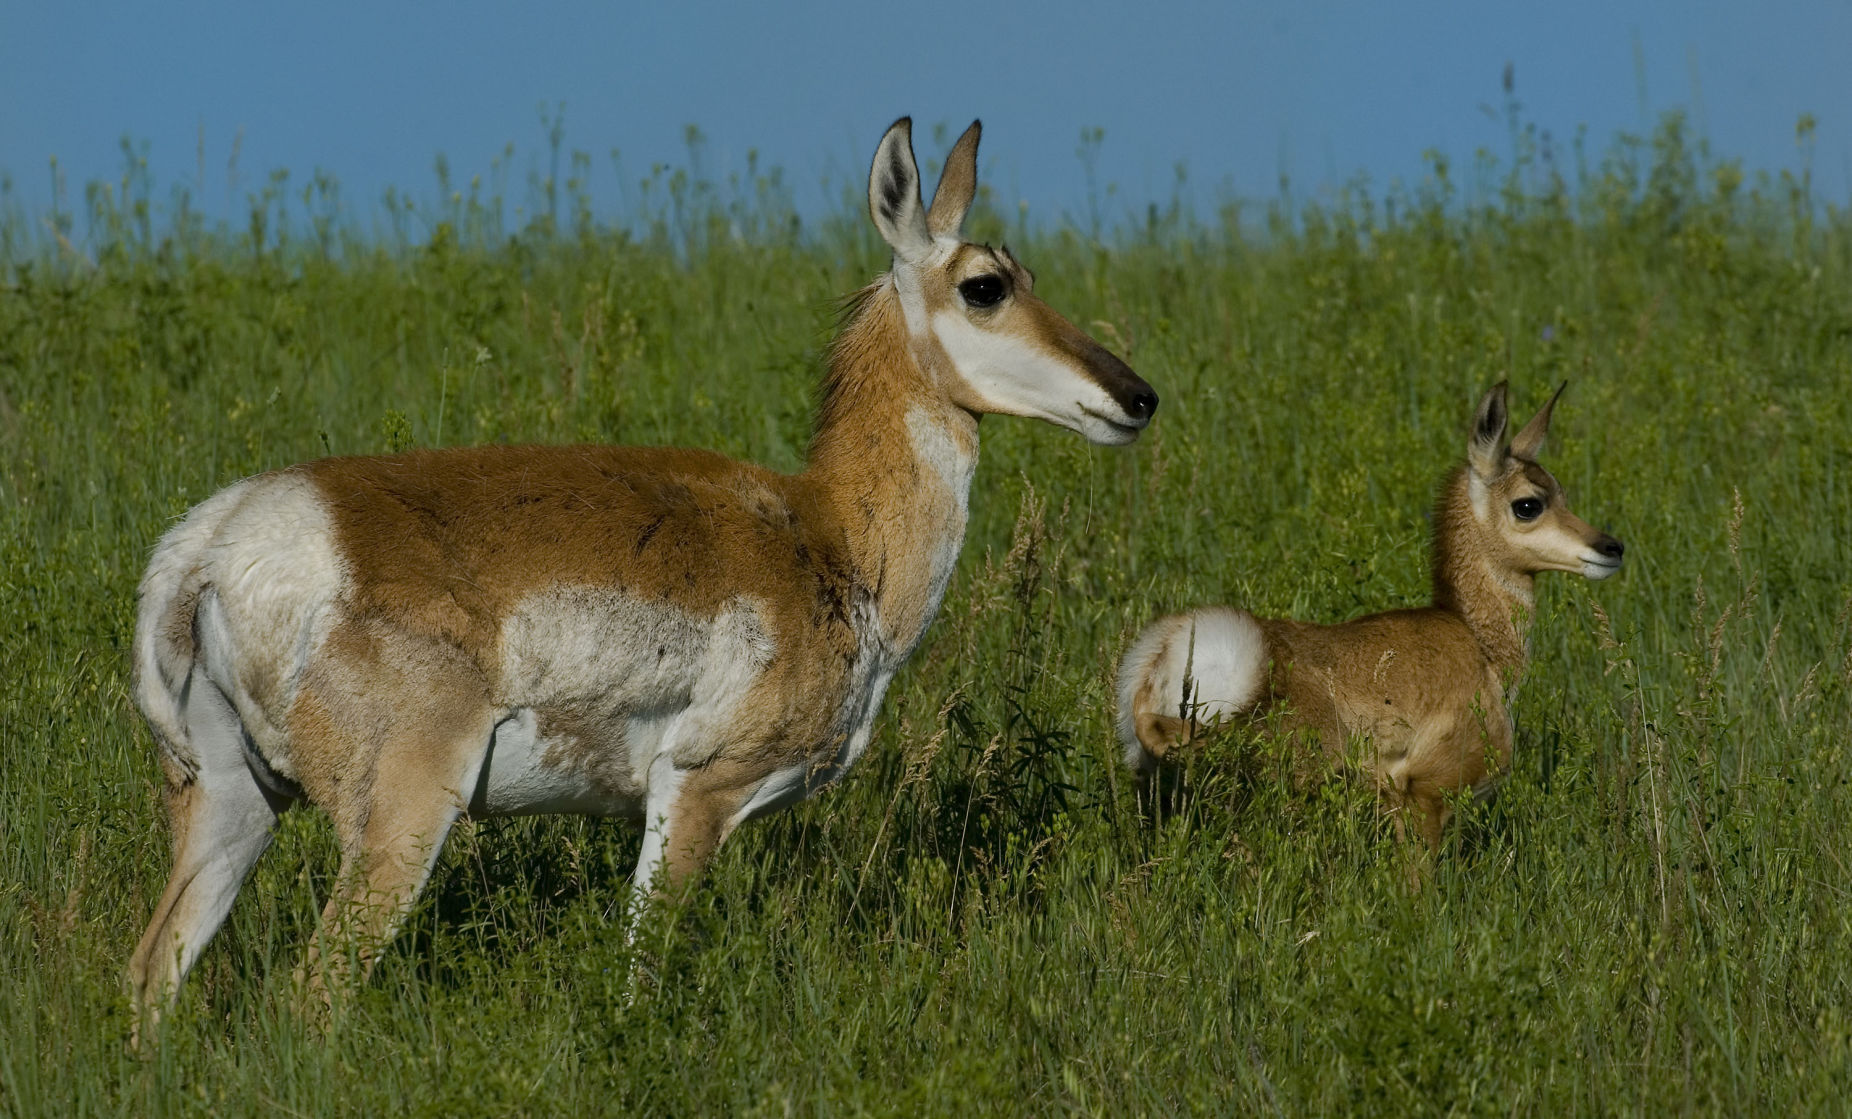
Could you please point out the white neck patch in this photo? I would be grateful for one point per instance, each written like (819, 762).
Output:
(940, 451)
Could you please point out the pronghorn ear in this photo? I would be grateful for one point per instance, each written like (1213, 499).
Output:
(894, 194)
(957, 186)
(1485, 450)
(1528, 442)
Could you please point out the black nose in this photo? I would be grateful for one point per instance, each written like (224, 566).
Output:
(1610, 547)
(1142, 404)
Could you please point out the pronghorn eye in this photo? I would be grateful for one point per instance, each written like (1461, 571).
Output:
(1527, 508)
(982, 291)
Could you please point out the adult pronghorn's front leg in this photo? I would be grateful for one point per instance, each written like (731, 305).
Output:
(690, 812)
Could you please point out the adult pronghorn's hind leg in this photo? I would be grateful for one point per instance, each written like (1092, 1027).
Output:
(383, 869)
(222, 818)
(420, 714)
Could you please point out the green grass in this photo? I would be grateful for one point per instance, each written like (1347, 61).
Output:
(1652, 917)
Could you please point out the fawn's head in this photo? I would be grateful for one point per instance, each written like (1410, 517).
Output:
(1004, 351)
(1521, 507)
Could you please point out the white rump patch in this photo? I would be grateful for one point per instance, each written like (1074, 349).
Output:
(1220, 653)
(259, 558)
(277, 572)
(162, 663)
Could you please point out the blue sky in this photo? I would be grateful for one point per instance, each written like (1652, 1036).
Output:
(1323, 90)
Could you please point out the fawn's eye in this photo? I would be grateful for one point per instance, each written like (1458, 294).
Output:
(1527, 508)
(982, 291)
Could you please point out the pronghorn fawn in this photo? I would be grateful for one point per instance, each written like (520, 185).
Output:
(1416, 698)
(660, 634)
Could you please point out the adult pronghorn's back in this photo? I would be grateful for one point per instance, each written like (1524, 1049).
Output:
(1424, 690)
(657, 633)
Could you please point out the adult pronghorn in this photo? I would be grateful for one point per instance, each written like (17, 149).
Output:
(1422, 692)
(663, 634)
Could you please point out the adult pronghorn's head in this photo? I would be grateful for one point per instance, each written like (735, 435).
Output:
(1004, 350)
(1522, 506)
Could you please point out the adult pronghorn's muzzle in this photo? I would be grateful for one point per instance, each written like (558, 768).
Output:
(1137, 401)
(1138, 398)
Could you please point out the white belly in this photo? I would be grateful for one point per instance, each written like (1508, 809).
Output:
(528, 774)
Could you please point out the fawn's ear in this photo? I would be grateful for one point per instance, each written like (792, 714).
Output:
(894, 194)
(1527, 443)
(957, 185)
(1485, 450)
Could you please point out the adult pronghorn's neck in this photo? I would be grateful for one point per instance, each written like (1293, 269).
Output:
(1494, 602)
(893, 457)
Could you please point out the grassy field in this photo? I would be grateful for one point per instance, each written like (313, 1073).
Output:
(1652, 917)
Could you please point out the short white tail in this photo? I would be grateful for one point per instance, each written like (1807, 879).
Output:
(1211, 665)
